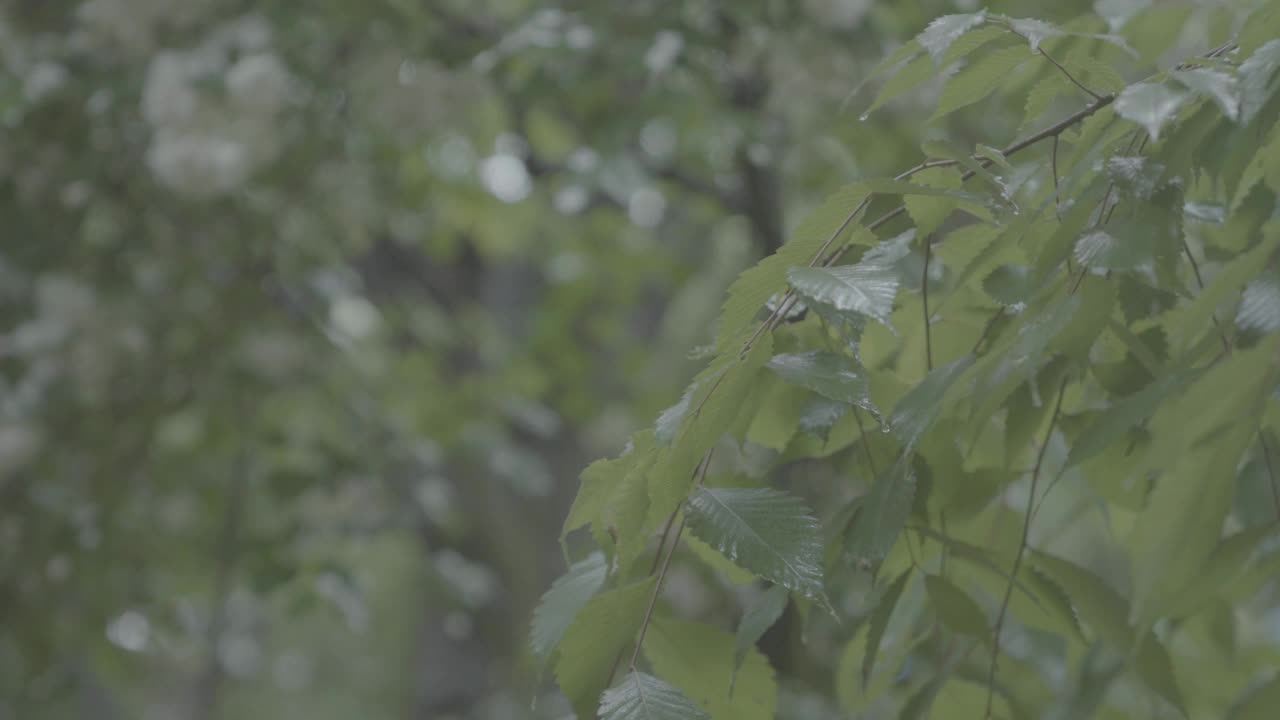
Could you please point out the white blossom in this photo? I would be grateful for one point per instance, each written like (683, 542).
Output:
(258, 83)
(168, 97)
(43, 80)
(198, 165)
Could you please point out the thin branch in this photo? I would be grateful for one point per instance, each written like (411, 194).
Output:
(653, 598)
(1195, 269)
(866, 447)
(1070, 77)
(1052, 131)
(1053, 167)
(1022, 548)
(789, 299)
(694, 184)
(1271, 473)
(701, 474)
(924, 292)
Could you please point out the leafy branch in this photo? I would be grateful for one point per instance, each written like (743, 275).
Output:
(1028, 514)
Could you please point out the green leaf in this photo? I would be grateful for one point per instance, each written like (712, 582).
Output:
(1116, 422)
(1042, 95)
(945, 30)
(1035, 31)
(1156, 670)
(1182, 521)
(886, 186)
(928, 212)
(754, 287)
(868, 290)
(971, 41)
(1262, 25)
(717, 562)
(1230, 390)
(1136, 176)
(1150, 105)
(979, 79)
(719, 395)
(1260, 305)
(895, 59)
(614, 500)
(1009, 285)
(909, 76)
(699, 660)
(1234, 556)
(883, 514)
(916, 412)
(1256, 80)
(950, 177)
(670, 420)
(644, 697)
(1019, 359)
(1102, 608)
(605, 626)
(1102, 250)
(1106, 612)
(779, 415)
(820, 415)
(957, 610)
(879, 622)
(1188, 322)
(763, 612)
(1213, 84)
(1257, 703)
(829, 374)
(562, 602)
(763, 530)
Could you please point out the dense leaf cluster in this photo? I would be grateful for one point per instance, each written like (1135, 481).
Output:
(1044, 376)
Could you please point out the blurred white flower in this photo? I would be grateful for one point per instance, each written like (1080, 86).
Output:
(132, 25)
(258, 83)
(198, 165)
(130, 630)
(168, 97)
(64, 298)
(645, 207)
(476, 584)
(18, 445)
(506, 177)
(248, 33)
(354, 317)
(43, 80)
(666, 48)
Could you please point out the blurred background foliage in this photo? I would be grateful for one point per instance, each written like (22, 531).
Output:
(311, 313)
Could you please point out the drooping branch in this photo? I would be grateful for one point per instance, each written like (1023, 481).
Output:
(1022, 548)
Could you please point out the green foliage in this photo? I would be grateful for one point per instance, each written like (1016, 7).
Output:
(561, 604)
(644, 697)
(592, 645)
(762, 530)
(700, 661)
(758, 618)
(1077, 336)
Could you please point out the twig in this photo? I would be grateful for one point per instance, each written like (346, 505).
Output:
(653, 598)
(1022, 548)
(1271, 473)
(1195, 269)
(1052, 131)
(924, 292)
(701, 474)
(866, 447)
(1070, 77)
(1053, 167)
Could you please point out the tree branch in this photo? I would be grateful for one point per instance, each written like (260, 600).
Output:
(1022, 548)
